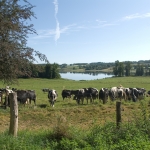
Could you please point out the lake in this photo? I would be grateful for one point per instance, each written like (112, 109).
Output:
(85, 76)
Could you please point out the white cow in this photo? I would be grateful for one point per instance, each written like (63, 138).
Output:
(117, 92)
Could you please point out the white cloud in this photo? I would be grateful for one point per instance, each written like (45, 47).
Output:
(56, 6)
(57, 31)
(137, 15)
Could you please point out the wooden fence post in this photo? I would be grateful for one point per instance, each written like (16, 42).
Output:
(13, 128)
(118, 114)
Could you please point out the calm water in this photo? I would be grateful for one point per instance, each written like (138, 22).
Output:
(85, 76)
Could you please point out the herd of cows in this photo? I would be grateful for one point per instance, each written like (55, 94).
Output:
(26, 96)
(23, 96)
(103, 94)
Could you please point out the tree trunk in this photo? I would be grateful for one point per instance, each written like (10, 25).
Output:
(13, 114)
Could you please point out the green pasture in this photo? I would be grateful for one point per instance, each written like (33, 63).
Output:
(43, 113)
(69, 126)
(59, 84)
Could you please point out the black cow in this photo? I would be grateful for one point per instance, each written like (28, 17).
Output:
(23, 96)
(52, 96)
(32, 96)
(66, 94)
(103, 95)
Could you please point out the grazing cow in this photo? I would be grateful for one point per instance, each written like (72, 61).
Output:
(88, 93)
(32, 96)
(7, 91)
(137, 93)
(91, 93)
(45, 90)
(52, 96)
(23, 96)
(148, 93)
(128, 92)
(66, 94)
(117, 92)
(74, 92)
(78, 95)
(103, 95)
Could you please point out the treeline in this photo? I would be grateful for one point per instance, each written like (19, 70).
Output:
(124, 68)
(49, 71)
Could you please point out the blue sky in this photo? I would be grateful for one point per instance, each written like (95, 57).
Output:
(85, 31)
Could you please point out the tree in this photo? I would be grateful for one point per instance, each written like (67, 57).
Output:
(121, 69)
(55, 72)
(118, 69)
(139, 70)
(115, 68)
(128, 68)
(51, 71)
(48, 71)
(15, 55)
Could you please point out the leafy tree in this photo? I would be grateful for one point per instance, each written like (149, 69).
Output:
(128, 68)
(118, 69)
(139, 70)
(15, 55)
(115, 68)
(48, 71)
(55, 72)
(51, 71)
(121, 69)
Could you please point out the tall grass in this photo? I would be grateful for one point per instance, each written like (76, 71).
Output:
(132, 135)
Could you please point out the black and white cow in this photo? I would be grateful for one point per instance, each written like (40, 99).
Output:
(128, 92)
(78, 95)
(117, 93)
(91, 93)
(52, 96)
(103, 94)
(137, 93)
(66, 94)
(85, 93)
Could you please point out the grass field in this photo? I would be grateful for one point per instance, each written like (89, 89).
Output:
(43, 116)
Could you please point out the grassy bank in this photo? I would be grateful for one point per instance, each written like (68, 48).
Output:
(78, 126)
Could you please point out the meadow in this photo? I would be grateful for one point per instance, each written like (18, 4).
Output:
(72, 126)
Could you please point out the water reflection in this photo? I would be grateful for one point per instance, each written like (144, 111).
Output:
(85, 75)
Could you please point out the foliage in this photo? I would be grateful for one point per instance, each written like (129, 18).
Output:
(16, 56)
(107, 137)
(128, 68)
(139, 70)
